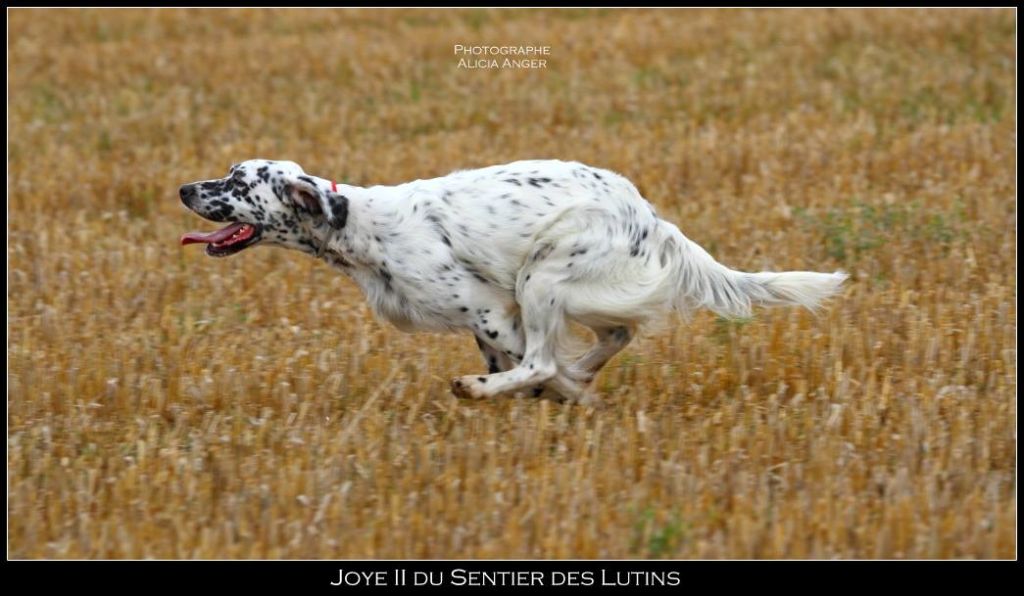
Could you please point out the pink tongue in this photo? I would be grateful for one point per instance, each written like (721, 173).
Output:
(218, 236)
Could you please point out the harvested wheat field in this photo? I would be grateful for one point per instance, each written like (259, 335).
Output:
(165, 404)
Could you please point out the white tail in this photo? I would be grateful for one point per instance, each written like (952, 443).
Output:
(703, 282)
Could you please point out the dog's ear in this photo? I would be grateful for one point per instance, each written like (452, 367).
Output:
(304, 193)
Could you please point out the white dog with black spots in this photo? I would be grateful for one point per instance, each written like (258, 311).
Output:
(511, 253)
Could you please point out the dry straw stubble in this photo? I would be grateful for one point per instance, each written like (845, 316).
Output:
(164, 404)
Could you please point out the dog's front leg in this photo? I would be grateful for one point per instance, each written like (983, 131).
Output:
(495, 359)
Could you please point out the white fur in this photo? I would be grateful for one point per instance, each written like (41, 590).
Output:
(513, 252)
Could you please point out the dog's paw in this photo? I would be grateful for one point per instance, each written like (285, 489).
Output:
(469, 387)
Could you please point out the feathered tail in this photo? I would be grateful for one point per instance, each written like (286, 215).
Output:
(703, 282)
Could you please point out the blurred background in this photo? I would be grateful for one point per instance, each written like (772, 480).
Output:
(165, 404)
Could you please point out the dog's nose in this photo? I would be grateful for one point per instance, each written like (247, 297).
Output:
(187, 192)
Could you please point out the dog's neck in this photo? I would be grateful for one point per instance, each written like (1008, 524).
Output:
(327, 184)
(355, 242)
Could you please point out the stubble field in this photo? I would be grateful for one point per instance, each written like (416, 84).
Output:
(165, 404)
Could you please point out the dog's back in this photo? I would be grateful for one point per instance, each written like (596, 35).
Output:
(492, 217)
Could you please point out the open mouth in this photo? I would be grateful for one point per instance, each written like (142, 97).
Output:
(225, 241)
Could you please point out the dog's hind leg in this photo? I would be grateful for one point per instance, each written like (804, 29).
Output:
(498, 359)
(539, 294)
(502, 352)
(502, 346)
(610, 341)
(597, 269)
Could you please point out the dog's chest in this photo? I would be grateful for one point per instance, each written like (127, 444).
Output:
(412, 300)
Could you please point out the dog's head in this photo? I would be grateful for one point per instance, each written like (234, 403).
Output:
(264, 202)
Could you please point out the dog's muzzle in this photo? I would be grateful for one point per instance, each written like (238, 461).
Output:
(188, 194)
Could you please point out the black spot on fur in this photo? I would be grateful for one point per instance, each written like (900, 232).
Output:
(541, 252)
(436, 222)
(339, 211)
(386, 275)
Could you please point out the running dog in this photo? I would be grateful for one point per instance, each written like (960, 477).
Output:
(511, 253)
